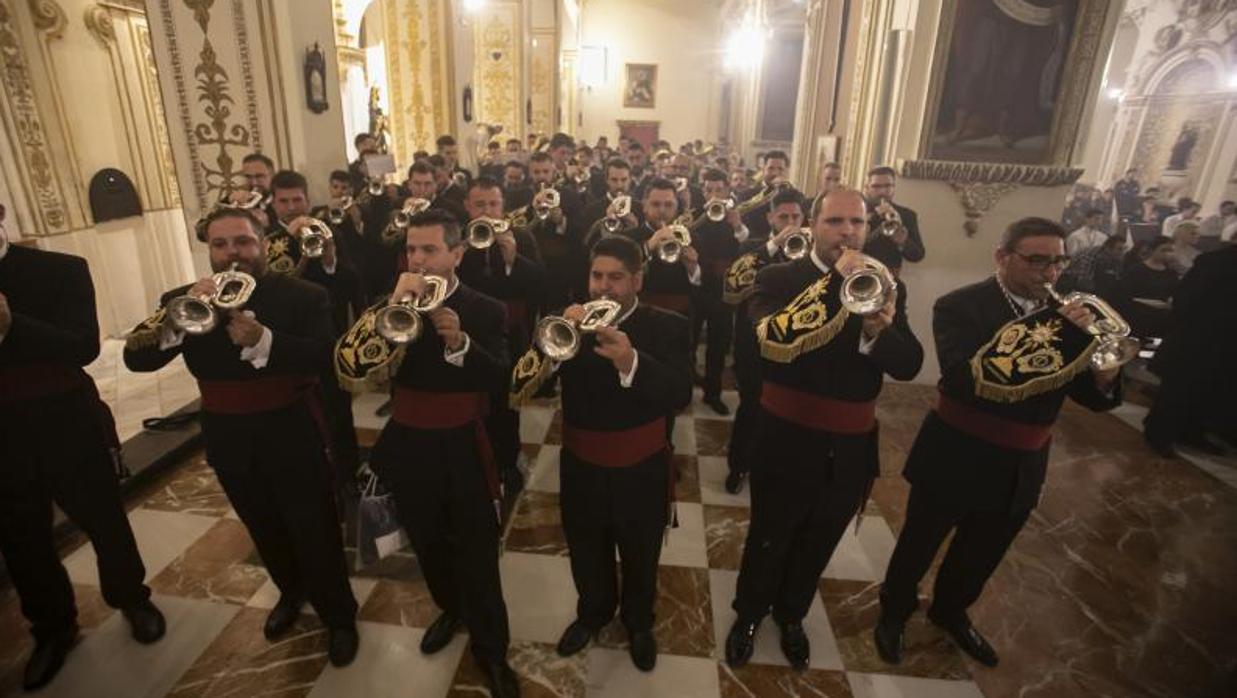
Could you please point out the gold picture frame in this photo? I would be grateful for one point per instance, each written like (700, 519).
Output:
(640, 86)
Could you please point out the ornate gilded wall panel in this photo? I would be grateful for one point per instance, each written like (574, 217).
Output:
(420, 95)
(541, 82)
(497, 62)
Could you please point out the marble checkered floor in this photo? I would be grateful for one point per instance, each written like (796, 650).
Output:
(1121, 585)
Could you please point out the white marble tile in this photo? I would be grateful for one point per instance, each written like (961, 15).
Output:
(535, 423)
(389, 663)
(544, 474)
(1222, 468)
(541, 598)
(612, 675)
(161, 537)
(713, 472)
(363, 408)
(685, 435)
(889, 686)
(863, 557)
(267, 595)
(699, 409)
(825, 654)
(686, 545)
(110, 662)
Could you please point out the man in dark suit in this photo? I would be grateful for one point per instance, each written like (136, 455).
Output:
(617, 182)
(358, 175)
(772, 175)
(434, 453)
(266, 439)
(620, 394)
(901, 235)
(58, 445)
(816, 448)
(979, 461)
(1193, 363)
(667, 285)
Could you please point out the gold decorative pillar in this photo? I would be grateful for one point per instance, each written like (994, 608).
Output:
(498, 60)
(418, 47)
(542, 86)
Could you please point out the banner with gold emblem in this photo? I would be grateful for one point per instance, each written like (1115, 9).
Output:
(740, 278)
(807, 323)
(364, 359)
(146, 334)
(530, 372)
(1032, 355)
(282, 252)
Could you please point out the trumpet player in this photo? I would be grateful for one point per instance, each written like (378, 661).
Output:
(621, 391)
(617, 183)
(978, 464)
(667, 285)
(785, 217)
(893, 227)
(58, 444)
(510, 271)
(558, 235)
(434, 453)
(257, 371)
(773, 175)
(718, 242)
(816, 449)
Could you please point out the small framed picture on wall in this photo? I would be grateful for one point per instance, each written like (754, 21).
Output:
(640, 90)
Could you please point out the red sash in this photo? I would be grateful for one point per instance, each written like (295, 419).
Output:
(990, 428)
(21, 382)
(623, 449)
(257, 395)
(817, 411)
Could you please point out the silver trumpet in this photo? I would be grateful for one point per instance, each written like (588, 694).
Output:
(867, 289)
(337, 215)
(400, 322)
(314, 237)
(546, 201)
(481, 232)
(672, 250)
(680, 183)
(412, 207)
(716, 209)
(375, 186)
(459, 179)
(559, 338)
(196, 315)
(255, 200)
(1116, 347)
(798, 244)
(891, 221)
(618, 209)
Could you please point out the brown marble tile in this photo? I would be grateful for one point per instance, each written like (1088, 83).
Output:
(406, 603)
(687, 483)
(773, 681)
(712, 436)
(853, 608)
(366, 437)
(214, 567)
(537, 526)
(400, 566)
(530, 451)
(683, 622)
(240, 662)
(554, 435)
(542, 673)
(725, 532)
(194, 491)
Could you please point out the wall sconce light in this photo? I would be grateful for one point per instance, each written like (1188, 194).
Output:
(592, 66)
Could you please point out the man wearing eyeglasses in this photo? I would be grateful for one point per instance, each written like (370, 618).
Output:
(1008, 361)
(815, 453)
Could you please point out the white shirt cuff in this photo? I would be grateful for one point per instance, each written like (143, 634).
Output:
(456, 358)
(508, 267)
(693, 276)
(260, 353)
(741, 233)
(170, 337)
(771, 248)
(331, 269)
(865, 344)
(625, 379)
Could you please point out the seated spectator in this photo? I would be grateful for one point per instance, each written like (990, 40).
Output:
(1149, 274)
(1222, 225)
(1185, 247)
(1187, 210)
(1088, 235)
(1095, 269)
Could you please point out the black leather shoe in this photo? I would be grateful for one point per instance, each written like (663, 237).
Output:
(47, 658)
(741, 642)
(718, 406)
(145, 621)
(795, 645)
(968, 638)
(440, 632)
(643, 649)
(888, 635)
(734, 481)
(502, 680)
(282, 617)
(575, 638)
(342, 645)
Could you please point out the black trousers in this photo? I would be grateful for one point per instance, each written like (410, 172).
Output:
(338, 408)
(719, 316)
(273, 468)
(444, 504)
(739, 454)
(979, 543)
(54, 450)
(605, 509)
(806, 487)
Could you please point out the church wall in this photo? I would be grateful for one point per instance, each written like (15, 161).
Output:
(681, 39)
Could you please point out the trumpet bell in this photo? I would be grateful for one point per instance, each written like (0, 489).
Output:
(797, 244)
(672, 250)
(547, 201)
(1115, 351)
(375, 187)
(717, 209)
(398, 323)
(867, 290)
(557, 338)
(482, 232)
(335, 216)
(191, 315)
(233, 289)
(314, 238)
